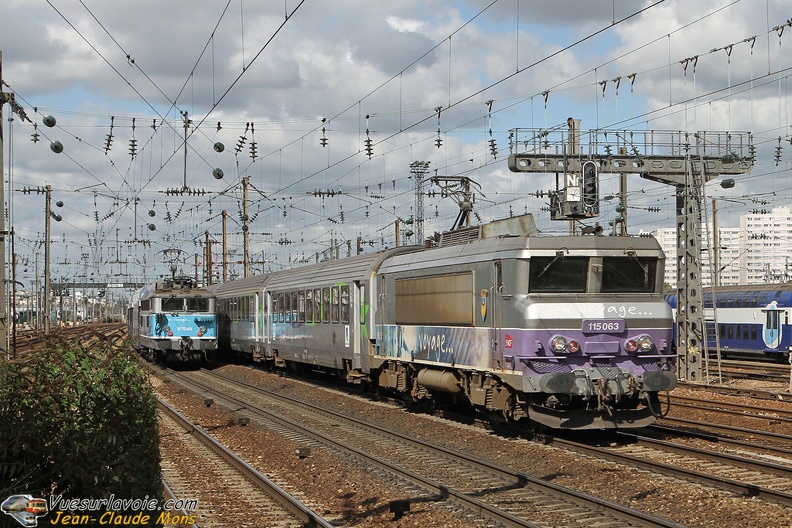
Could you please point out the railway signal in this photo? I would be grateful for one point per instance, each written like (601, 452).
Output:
(690, 160)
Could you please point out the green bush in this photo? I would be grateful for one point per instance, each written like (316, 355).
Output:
(78, 421)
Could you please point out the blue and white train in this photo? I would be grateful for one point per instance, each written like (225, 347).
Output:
(568, 332)
(172, 321)
(753, 321)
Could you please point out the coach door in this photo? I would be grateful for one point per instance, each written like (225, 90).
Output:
(771, 327)
(356, 326)
(491, 310)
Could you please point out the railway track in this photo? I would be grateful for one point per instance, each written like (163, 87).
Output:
(256, 500)
(753, 370)
(84, 335)
(499, 494)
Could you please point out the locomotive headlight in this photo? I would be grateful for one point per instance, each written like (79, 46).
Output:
(642, 343)
(573, 346)
(558, 344)
(645, 343)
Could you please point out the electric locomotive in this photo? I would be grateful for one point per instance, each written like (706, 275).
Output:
(172, 321)
(568, 332)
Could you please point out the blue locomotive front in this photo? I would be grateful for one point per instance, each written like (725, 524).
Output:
(172, 321)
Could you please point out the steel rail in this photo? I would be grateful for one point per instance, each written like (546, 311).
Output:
(287, 501)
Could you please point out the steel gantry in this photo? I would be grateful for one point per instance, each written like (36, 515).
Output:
(684, 160)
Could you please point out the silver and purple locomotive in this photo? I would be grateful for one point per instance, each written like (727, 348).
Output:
(568, 332)
(172, 321)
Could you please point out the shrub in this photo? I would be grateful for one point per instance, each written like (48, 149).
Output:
(78, 421)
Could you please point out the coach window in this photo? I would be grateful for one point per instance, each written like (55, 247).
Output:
(274, 309)
(145, 306)
(287, 307)
(325, 305)
(344, 303)
(301, 306)
(251, 307)
(294, 306)
(309, 312)
(317, 300)
(280, 308)
(334, 303)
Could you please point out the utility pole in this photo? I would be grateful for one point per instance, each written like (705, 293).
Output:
(208, 260)
(691, 160)
(245, 227)
(225, 248)
(4, 97)
(419, 170)
(47, 302)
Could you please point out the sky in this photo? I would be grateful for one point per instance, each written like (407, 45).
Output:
(279, 101)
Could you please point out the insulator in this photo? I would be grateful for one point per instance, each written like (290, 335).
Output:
(56, 147)
(253, 149)
(133, 147)
(240, 143)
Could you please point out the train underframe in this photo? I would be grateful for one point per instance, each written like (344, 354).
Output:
(178, 349)
(603, 405)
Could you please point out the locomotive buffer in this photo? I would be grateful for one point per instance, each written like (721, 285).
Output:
(682, 159)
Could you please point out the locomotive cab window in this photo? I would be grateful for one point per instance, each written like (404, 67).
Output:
(629, 274)
(172, 304)
(558, 274)
(197, 304)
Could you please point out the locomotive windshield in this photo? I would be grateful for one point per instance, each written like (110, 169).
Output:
(185, 304)
(558, 274)
(629, 274)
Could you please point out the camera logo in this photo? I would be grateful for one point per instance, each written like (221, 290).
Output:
(25, 509)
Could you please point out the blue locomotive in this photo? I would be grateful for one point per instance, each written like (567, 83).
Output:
(752, 320)
(568, 332)
(172, 321)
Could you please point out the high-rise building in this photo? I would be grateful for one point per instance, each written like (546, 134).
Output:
(758, 252)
